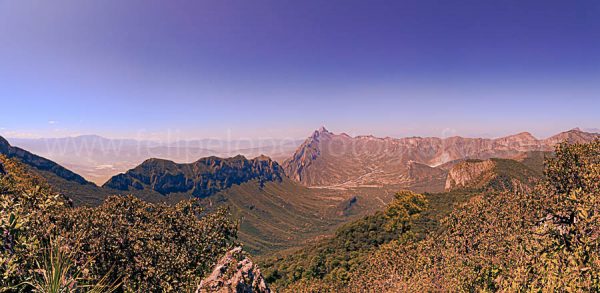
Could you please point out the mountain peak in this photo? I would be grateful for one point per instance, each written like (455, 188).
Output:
(322, 131)
(263, 157)
(4, 145)
(522, 136)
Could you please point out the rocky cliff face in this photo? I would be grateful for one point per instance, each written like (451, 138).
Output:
(202, 178)
(492, 174)
(471, 173)
(328, 159)
(234, 272)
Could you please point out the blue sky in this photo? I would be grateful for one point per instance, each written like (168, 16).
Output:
(193, 69)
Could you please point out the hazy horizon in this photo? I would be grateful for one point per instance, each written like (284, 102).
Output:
(178, 137)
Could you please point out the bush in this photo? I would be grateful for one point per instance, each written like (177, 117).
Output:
(26, 203)
(150, 247)
(145, 247)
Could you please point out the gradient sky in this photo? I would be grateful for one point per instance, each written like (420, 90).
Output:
(193, 69)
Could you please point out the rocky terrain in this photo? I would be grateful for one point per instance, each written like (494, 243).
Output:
(466, 173)
(496, 174)
(274, 211)
(326, 159)
(234, 272)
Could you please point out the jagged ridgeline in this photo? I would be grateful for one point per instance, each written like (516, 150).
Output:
(202, 178)
(339, 160)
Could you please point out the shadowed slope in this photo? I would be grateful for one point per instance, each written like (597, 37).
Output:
(81, 191)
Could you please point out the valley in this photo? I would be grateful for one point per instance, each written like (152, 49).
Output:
(329, 180)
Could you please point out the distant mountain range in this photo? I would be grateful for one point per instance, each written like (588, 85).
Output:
(98, 158)
(333, 160)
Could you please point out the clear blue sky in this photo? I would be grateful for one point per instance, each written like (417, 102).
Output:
(283, 68)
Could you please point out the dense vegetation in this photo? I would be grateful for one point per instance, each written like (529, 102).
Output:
(124, 244)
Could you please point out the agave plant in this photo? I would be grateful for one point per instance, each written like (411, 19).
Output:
(58, 273)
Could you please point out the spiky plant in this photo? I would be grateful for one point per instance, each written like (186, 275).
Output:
(58, 273)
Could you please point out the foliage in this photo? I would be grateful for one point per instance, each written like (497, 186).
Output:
(540, 239)
(402, 210)
(58, 273)
(143, 246)
(151, 247)
(566, 242)
(26, 202)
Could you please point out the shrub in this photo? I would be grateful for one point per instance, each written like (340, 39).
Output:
(26, 202)
(145, 247)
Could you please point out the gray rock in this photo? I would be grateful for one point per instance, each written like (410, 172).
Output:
(234, 272)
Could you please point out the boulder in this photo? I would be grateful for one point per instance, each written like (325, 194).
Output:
(234, 272)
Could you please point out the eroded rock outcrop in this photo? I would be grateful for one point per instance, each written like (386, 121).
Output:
(470, 173)
(234, 272)
(492, 174)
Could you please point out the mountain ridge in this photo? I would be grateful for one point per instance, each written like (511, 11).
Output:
(202, 178)
(65, 181)
(328, 159)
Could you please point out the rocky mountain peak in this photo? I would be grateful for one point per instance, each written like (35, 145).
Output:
(322, 129)
(519, 138)
(525, 136)
(263, 157)
(574, 135)
(320, 133)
